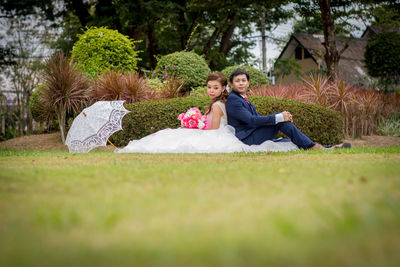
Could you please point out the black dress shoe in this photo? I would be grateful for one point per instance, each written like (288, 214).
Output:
(344, 145)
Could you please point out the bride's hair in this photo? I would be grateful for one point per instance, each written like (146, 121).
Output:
(220, 77)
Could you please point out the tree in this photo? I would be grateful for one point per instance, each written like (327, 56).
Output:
(24, 39)
(385, 14)
(329, 12)
(6, 57)
(335, 20)
(382, 57)
(165, 26)
(382, 50)
(66, 89)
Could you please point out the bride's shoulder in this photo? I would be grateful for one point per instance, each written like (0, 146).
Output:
(218, 107)
(219, 104)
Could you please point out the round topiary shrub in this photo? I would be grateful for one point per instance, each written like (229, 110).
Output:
(257, 77)
(101, 49)
(321, 124)
(188, 66)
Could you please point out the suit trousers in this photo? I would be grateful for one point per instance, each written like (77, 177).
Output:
(265, 133)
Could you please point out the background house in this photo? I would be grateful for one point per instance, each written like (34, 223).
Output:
(308, 52)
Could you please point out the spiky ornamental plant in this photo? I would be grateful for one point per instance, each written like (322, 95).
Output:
(137, 89)
(65, 88)
(340, 97)
(317, 89)
(172, 87)
(130, 87)
(108, 86)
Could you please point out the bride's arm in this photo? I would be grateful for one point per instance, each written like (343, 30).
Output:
(217, 113)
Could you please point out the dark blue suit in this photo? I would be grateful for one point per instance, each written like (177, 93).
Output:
(254, 129)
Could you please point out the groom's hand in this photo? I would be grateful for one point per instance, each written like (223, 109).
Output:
(287, 116)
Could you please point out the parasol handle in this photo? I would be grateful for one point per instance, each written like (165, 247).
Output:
(111, 144)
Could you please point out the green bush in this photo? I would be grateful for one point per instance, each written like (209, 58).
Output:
(155, 84)
(35, 107)
(101, 49)
(320, 124)
(188, 66)
(199, 91)
(257, 78)
(382, 57)
(42, 113)
(390, 126)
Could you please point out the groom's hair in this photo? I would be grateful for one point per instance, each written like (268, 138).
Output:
(238, 72)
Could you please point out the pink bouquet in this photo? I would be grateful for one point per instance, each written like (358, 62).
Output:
(193, 119)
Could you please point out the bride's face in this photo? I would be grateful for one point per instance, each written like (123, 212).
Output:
(214, 89)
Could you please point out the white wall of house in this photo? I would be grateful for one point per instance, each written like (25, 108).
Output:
(306, 65)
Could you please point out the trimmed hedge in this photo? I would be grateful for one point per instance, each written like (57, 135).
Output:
(257, 77)
(322, 125)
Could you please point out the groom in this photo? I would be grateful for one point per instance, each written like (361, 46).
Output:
(252, 128)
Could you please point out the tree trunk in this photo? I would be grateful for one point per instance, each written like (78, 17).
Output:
(105, 9)
(152, 45)
(80, 11)
(28, 115)
(332, 56)
(227, 35)
(211, 40)
(61, 122)
(263, 42)
(179, 27)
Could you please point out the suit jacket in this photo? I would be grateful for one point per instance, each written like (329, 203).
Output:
(244, 117)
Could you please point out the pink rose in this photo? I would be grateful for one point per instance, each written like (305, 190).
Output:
(193, 123)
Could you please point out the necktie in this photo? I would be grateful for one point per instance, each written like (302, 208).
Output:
(248, 102)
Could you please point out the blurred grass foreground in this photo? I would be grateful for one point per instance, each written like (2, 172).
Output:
(335, 208)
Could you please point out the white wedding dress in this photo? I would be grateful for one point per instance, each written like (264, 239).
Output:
(183, 140)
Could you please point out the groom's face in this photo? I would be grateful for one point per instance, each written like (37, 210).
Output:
(240, 83)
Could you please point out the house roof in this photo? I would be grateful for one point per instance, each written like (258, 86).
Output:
(351, 66)
(372, 30)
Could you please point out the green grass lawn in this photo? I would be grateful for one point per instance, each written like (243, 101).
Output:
(335, 208)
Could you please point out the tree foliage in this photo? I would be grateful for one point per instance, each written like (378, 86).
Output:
(257, 77)
(335, 19)
(285, 66)
(21, 62)
(165, 26)
(382, 57)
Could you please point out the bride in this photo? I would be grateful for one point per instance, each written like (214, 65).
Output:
(218, 138)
